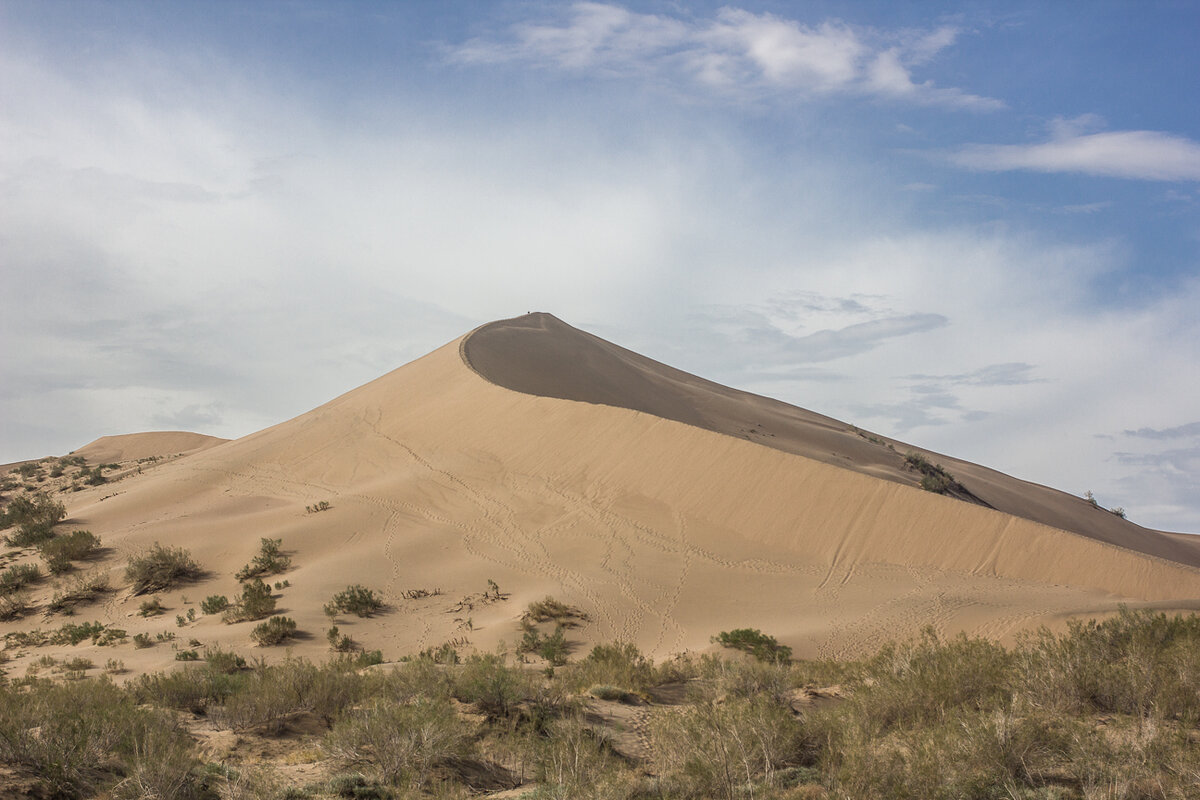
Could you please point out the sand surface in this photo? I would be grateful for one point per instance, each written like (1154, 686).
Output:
(658, 516)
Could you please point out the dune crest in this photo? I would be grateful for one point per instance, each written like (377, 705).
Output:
(150, 444)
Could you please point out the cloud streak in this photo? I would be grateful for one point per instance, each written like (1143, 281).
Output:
(1140, 155)
(735, 54)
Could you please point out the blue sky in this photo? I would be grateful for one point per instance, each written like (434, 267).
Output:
(973, 226)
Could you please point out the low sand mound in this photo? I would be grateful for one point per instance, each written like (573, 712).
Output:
(662, 531)
(151, 444)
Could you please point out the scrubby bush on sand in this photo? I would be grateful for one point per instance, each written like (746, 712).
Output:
(356, 599)
(268, 561)
(160, 568)
(274, 631)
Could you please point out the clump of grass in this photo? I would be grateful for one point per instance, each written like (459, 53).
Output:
(161, 568)
(323, 505)
(356, 599)
(268, 561)
(14, 606)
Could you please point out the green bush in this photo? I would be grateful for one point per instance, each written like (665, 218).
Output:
(255, 602)
(274, 631)
(356, 599)
(34, 517)
(214, 604)
(161, 568)
(60, 551)
(269, 561)
(150, 608)
(754, 642)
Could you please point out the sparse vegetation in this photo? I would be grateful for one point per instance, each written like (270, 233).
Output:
(317, 507)
(356, 599)
(1107, 709)
(78, 591)
(934, 477)
(160, 568)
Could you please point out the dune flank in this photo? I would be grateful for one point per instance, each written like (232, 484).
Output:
(664, 507)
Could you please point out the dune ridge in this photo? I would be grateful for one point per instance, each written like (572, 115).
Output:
(663, 532)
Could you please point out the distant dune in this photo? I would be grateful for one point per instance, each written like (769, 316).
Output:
(151, 444)
(666, 507)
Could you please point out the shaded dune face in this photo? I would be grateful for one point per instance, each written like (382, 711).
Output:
(541, 355)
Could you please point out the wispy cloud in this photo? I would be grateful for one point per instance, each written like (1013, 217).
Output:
(1178, 432)
(1142, 155)
(1010, 374)
(735, 53)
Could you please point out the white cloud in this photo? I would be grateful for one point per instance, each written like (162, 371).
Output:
(1144, 155)
(737, 54)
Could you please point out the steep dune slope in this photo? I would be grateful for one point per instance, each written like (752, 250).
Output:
(663, 531)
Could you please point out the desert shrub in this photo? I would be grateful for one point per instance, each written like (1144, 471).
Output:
(34, 517)
(60, 551)
(194, 689)
(620, 664)
(339, 642)
(1138, 662)
(214, 604)
(493, 687)
(142, 641)
(150, 608)
(920, 682)
(934, 477)
(223, 661)
(754, 642)
(80, 590)
(255, 602)
(268, 695)
(548, 609)
(18, 576)
(274, 631)
(323, 505)
(712, 749)
(400, 742)
(94, 477)
(269, 561)
(355, 786)
(75, 737)
(356, 599)
(13, 606)
(573, 759)
(160, 568)
(553, 648)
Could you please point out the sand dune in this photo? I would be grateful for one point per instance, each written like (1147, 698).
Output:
(665, 507)
(151, 444)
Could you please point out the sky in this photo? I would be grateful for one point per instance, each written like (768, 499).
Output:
(973, 226)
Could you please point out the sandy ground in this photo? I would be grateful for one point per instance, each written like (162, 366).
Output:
(664, 531)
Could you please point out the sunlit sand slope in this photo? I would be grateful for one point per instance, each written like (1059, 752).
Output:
(663, 531)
